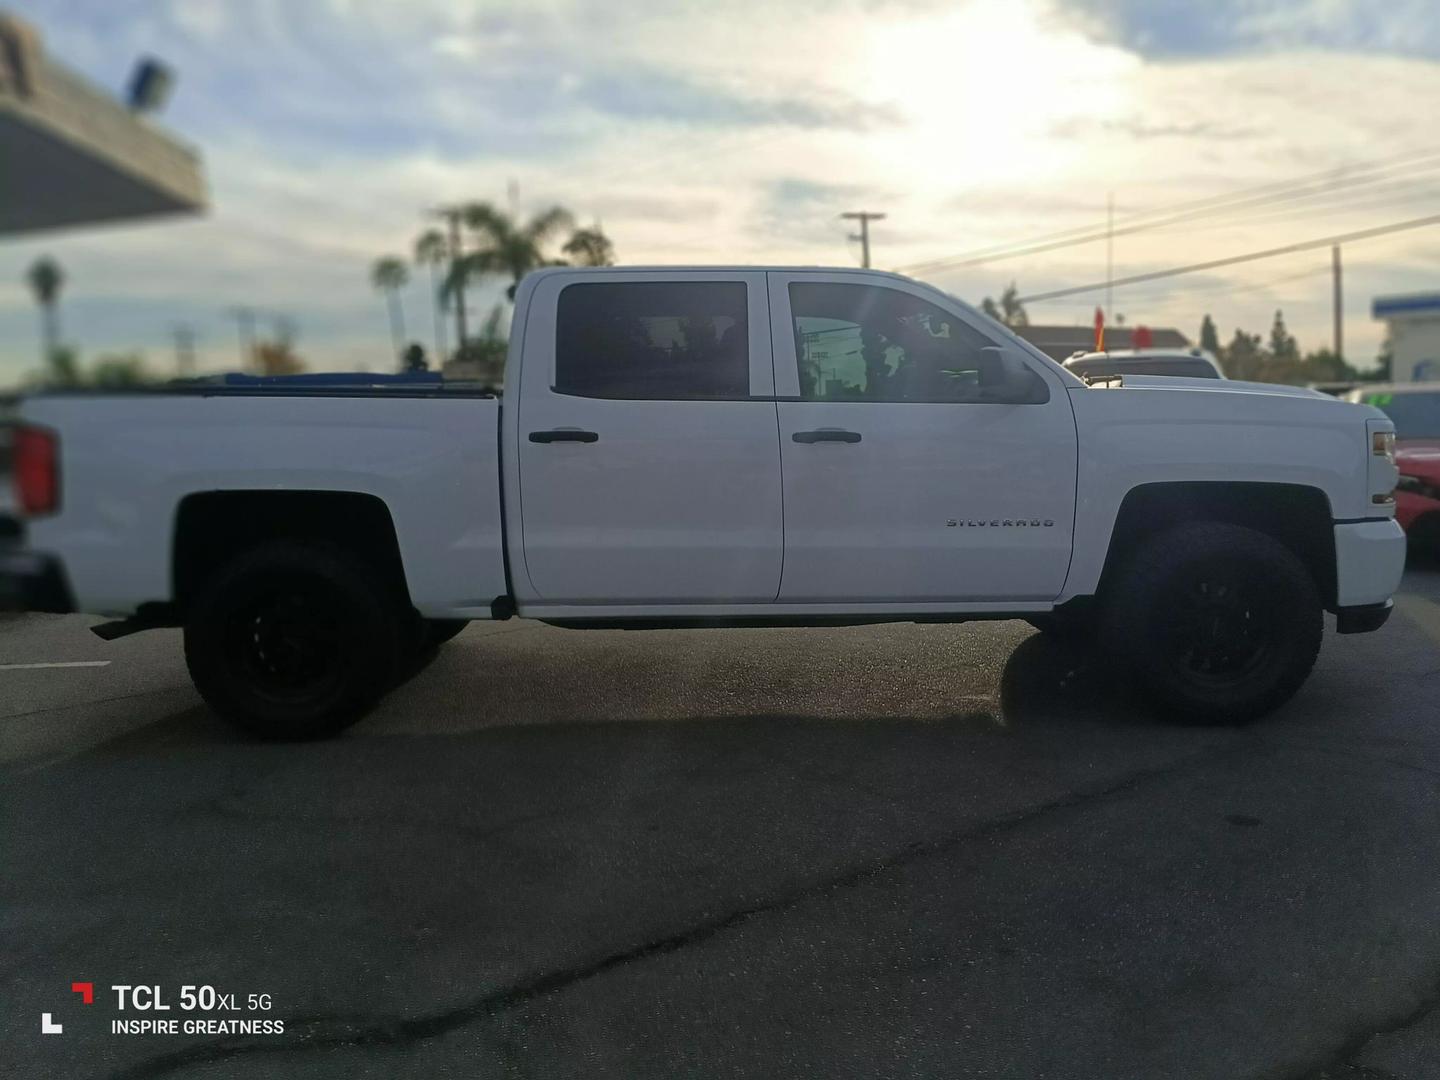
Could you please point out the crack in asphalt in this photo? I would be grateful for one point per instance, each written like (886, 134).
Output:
(1342, 1064)
(329, 1032)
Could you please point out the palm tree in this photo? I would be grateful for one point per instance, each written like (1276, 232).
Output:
(432, 249)
(390, 276)
(505, 247)
(590, 247)
(46, 280)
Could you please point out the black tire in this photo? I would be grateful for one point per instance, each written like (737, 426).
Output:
(1215, 622)
(439, 631)
(292, 640)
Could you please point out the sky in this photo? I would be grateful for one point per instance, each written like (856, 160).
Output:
(737, 132)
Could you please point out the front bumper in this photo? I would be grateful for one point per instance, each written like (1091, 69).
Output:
(33, 582)
(1369, 560)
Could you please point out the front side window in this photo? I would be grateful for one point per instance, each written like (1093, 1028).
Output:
(651, 339)
(867, 343)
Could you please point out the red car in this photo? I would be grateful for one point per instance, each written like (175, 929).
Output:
(1415, 408)
(1417, 496)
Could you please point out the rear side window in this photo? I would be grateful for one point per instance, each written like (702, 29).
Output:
(653, 339)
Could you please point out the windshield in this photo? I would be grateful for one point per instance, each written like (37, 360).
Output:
(1416, 415)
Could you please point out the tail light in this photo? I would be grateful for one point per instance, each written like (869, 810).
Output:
(37, 470)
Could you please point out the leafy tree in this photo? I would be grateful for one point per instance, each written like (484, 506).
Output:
(1283, 347)
(119, 371)
(504, 247)
(278, 358)
(46, 279)
(62, 368)
(1244, 358)
(1209, 337)
(1009, 311)
(590, 247)
(1324, 366)
(389, 275)
(1012, 311)
(432, 249)
(482, 358)
(1385, 360)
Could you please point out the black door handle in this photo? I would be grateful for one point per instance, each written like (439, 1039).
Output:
(564, 435)
(826, 434)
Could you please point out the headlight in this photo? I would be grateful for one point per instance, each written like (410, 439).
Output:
(1382, 473)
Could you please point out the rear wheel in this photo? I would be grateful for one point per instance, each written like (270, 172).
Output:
(1216, 622)
(292, 640)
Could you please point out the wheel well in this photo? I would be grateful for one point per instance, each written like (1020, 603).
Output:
(213, 527)
(1296, 515)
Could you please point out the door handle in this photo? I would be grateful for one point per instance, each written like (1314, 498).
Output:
(826, 434)
(563, 434)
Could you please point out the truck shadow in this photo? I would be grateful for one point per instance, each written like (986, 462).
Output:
(1046, 688)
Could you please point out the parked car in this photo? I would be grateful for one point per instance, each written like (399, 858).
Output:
(1415, 410)
(1188, 364)
(713, 446)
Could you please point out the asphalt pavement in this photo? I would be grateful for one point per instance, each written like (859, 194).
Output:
(908, 851)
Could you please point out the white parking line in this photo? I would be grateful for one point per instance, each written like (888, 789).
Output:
(65, 663)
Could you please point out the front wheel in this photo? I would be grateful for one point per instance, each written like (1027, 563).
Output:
(292, 640)
(1215, 622)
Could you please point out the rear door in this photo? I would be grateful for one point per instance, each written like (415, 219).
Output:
(648, 450)
(906, 479)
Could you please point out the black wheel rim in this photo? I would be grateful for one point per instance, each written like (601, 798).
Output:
(1221, 626)
(286, 641)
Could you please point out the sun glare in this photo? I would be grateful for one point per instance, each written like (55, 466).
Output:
(983, 89)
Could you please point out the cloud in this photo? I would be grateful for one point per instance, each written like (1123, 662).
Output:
(1133, 127)
(1181, 29)
(731, 133)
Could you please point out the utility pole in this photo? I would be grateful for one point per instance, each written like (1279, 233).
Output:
(451, 215)
(864, 217)
(1109, 256)
(1338, 302)
(184, 335)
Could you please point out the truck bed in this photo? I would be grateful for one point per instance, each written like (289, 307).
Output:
(129, 460)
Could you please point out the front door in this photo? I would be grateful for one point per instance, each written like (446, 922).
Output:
(649, 461)
(906, 479)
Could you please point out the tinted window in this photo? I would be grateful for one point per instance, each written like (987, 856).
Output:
(1416, 415)
(653, 340)
(862, 343)
(1190, 369)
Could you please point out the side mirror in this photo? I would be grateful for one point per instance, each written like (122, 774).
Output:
(1005, 377)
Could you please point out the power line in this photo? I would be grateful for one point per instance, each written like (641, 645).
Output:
(1247, 198)
(1224, 288)
(1288, 249)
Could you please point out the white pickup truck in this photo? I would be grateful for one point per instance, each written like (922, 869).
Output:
(713, 446)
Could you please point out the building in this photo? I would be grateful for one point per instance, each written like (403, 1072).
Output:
(1413, 328)
(1062, 342)
(74, 155)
